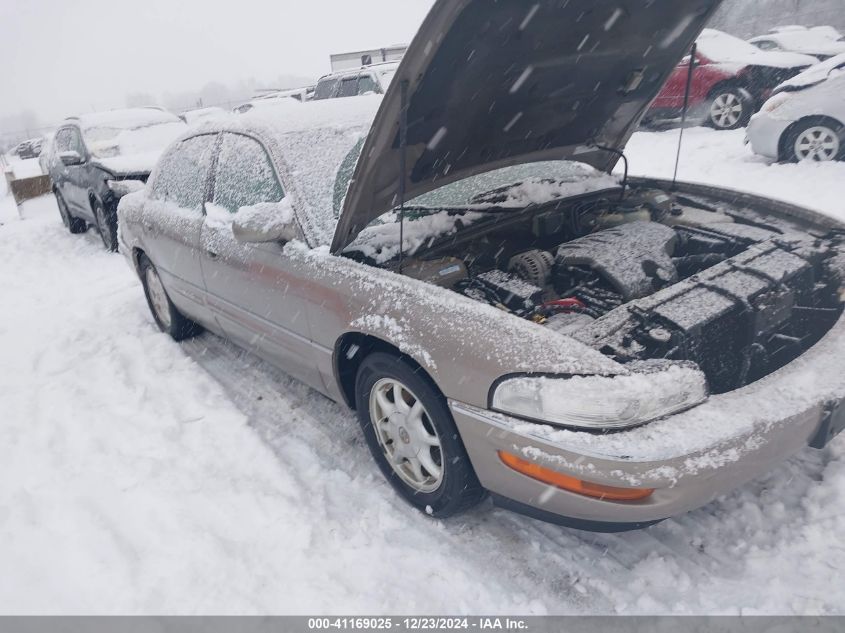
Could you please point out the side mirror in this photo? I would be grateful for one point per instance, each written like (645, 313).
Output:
(71, 158)
(266, 222)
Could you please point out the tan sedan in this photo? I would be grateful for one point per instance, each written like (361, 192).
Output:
(456, 263)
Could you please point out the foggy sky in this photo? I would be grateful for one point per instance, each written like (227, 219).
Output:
(61, 57)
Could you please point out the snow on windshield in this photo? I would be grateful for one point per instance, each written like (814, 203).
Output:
(111, 142)
(464, 202)
(530, 183)
(130, 140)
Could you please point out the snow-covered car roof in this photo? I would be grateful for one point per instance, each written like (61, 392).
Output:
(722, 48)
(807, 41)
(129, 141)
(814, 75)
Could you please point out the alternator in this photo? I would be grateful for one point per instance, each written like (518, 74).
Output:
(533, 266)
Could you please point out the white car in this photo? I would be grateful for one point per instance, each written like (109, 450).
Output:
(820, 42)
(805, 118)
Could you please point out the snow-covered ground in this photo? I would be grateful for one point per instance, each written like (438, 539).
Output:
(143, 476)
(721, 158)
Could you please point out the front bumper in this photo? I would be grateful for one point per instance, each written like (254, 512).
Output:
(688, 458)
(764, 133)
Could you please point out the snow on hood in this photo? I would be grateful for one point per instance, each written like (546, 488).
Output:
(129, 141)
(721, 48)
(814, 75)
(491, 84)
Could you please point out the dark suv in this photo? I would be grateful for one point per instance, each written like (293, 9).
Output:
(97, 158)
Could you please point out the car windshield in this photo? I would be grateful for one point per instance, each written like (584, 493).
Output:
(109, 136)
(493, 194)
(518, 186)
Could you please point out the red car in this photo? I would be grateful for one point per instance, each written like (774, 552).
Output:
(731, 79)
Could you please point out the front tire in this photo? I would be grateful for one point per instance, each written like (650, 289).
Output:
(72, 224)
(728, 108)
(815, 140)
(106, 225)
(167, 317)
(413, 438)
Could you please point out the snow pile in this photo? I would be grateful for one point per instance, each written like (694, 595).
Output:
(28, 168)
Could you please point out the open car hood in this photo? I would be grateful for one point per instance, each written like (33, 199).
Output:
(493, 83)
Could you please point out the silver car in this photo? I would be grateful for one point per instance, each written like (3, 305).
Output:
(456, 263)
(805, 118)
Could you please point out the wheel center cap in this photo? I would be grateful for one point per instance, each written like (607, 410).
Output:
(404, 436)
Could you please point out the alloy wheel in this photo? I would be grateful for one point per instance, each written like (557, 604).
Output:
(407, 437)
(726, 110)
(818, 143)
(158, 297)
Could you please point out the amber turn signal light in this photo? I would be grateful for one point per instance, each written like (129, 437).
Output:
(578, 486)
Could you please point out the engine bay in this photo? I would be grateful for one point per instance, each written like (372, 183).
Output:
(653, 276)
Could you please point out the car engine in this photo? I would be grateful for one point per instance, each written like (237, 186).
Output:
(738, 293)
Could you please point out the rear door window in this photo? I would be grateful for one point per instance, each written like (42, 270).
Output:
(182, 175)
(245, 174)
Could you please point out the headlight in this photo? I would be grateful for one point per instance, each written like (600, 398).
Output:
(121, 188)
(601, 402)
(775, 102)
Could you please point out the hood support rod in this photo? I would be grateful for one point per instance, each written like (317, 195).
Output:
(687, 91)
(403, 151)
